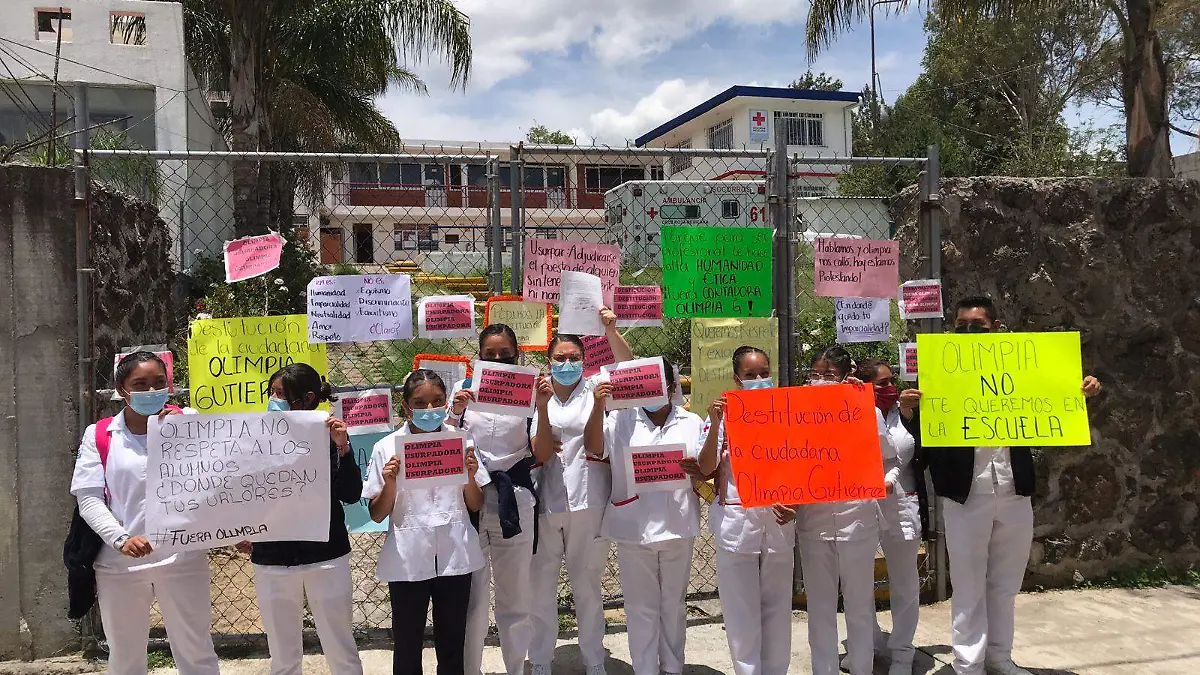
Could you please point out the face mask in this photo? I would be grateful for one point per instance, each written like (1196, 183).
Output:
(654, 408)
(566, 373)
(822, 383)
(430, 419)
(278, 405)
(886, 397)
(759, 383)
(972, 328)
(147, 403)
(510, 360)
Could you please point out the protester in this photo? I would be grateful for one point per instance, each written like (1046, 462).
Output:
(989, 525)
(109, 483)
(574, 485)
(755, 552)
(838, 541)
(653, 531)
(507, 523)
(431, 549)
(288, 572)
(903, 523)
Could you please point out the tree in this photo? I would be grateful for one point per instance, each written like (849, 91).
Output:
(539, 133)
(820, 81)
(1144, 76)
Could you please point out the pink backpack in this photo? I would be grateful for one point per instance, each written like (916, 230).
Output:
(104, 441)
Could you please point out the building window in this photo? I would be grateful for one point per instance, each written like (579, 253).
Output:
(49, 21)
(452, 239)
(543, 232)
(679, 163)
(427, 239)
(127, 28)
(801, 128)
(403, 237)
(656, 172)
(720, 136)
(680, 211)
(605, 178)
(730, 208)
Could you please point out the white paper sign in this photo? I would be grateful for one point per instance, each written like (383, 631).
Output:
(580, 298)
(656, 468)
(365, 308)
(432, 460)
(502, 389)
(446, 316)
(636, 384)
(451, 372)
(921, 299)
(863, 319)
(215, 480)
(365, 412)
(908, 361)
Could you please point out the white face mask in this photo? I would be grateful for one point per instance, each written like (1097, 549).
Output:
(757, 383)
(821, 383)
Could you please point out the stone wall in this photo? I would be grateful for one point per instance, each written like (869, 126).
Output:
(1116, 260)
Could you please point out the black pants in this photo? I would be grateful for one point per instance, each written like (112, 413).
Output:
(410, 607)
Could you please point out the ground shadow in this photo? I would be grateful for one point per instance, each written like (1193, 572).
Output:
(569, 661)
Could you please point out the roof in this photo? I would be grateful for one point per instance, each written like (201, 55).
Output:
(737, 91)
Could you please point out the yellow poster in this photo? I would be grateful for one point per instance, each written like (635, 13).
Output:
(1002, 389)
(229, 360)
(529, 320)
(713, 344)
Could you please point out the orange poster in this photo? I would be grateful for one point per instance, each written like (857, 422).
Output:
(803, 445)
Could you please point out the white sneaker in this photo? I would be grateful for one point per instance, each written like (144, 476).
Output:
(1005, 668)
(540, 669)
(596, 670)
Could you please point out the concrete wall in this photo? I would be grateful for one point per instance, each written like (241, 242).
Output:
(1188, 166)
(38, 407)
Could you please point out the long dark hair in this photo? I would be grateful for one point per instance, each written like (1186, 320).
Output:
(297, 380)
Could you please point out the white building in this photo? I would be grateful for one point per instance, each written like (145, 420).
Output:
(817, 124)
(131, 55)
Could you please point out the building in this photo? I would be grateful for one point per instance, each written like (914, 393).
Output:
(1187, 166)
(131, 55)
(817, 124)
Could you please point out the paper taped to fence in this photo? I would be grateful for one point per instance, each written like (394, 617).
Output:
(215, 480)
(360, 308)
(640, 383)
(365, 412)
(656, 468)
(638, 306)
(251, 257)
(450, 368)
(713, 344)
(921, 299)
(545, 260)
(503, 389)
(1002, 390)
(229, 360)
(845, 267)
(717, 271)
(908, 361)
(446, 316)
(529, 320)
(863, 319)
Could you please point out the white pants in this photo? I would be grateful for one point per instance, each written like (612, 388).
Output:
(824, 563)
(182, 591)
(281, 592)
(509, 562)
(574, 536)
(904, 588)
(756, 599)
(988, 540)
(654, 581)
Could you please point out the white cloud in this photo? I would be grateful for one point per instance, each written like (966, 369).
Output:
(666, 101)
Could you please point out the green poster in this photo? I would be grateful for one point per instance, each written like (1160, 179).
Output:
(717, 271)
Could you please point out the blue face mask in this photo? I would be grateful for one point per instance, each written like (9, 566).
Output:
(147, 403)
(566, 373)
(278, 405)
(430, 419)
(654, 408)
(760, 383)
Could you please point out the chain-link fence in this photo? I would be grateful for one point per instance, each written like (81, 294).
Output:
(463, 220)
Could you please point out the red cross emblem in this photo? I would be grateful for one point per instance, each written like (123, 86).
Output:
(652, 213)
(758, 119)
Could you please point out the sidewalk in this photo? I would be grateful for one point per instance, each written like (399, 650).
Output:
(1093, 632)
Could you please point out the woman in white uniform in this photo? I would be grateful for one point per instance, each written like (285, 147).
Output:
(109, 484)
(838, 541)
(653, 531)
(902, 524)
(574, 486)
(432, 548)
(507, 522)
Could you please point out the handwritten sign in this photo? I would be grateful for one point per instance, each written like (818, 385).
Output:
(545, 260)
(365, 412)
(597, 352)
(450, 368)
(358, 514)
(713, 344)
(1002, 390)
(579, 302)
(639, 383)
(855, 268)
(863, 319)
(716, 271)
(446, 316)
(804, 445)
(365, 308)
(215, 480)
(160, 351)
(432, 460)
(230, 359)
(921, 299)
(656, 468)
(638, 306)
(502, 389)
(529, 320)
(251, 257)
(908, 361)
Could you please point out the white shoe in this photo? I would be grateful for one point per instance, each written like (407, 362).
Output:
(540, 669)
(596, 670)
(1005, 668)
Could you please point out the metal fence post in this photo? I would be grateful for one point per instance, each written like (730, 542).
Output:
(516, 181)
(83, 259)
(496, 247)
(777, 199)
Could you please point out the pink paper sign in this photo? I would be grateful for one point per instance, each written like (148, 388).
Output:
(545, 259)
(252, 256)
(597, 353)
(855, 268)
(366, 412)
(638, 306)
(434, 459)
(450, 316)
(636, 384)
(908, 361)
(503, 389)
(657, 468)
(921, 299)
